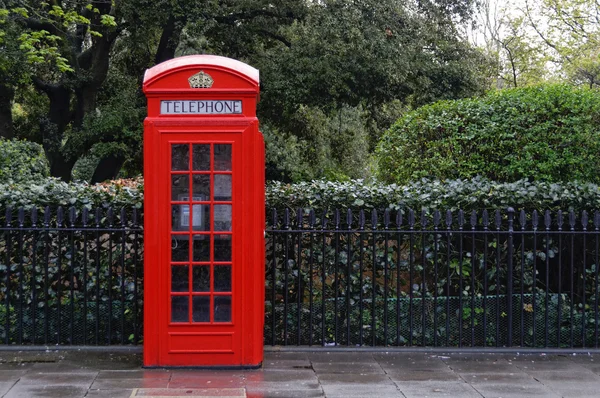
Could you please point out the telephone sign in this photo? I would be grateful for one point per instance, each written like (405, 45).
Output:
(203, 215)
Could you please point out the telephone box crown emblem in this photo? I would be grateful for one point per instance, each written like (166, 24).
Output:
(201, 80)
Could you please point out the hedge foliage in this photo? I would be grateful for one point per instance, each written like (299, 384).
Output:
(54, 192)
(475, 194)
(549, 133)
(22, 161)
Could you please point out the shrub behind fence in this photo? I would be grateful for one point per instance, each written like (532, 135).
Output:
(483, 279)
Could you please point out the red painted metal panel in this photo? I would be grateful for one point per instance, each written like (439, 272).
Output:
(204, 219)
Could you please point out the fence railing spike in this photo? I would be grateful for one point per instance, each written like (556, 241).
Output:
(374, 219)
(349, 218)
(34, 216)
(485, 219)
(361, 219)
(399, 218)
(21, 216)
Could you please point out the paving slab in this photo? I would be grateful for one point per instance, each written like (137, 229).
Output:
(258, 393)
(424, 375)
(507, 390)
(134, 374)
(191, 393)
(354, 379)
(347, 367)
(112, 384)
(41, 391)
(416, 389)
(63, 379)
(341, 391)
(121, 393)
(283, 375)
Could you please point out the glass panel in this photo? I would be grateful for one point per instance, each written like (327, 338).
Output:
(180, 214)
(201, 157)
(201, 248)
(223, 187)
(201, 187)
(223, 309)
(223, 157)
(201, 278)
(201, 217)
(222, 278)
(179, 278)
(222, 247)
(201, 308)
(222, 217)
(180, 157)
(180, 248)
(180, 187)
(179, 309)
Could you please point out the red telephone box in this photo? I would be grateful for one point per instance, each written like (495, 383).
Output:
(203, 214)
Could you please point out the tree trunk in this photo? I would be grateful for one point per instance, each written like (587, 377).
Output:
(169, 40)
(6, 125)
(108, 168)
(53, 129)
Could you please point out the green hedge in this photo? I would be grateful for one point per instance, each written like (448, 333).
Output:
(54, 192)
(475, 194)
(22, 161)
(549, 133)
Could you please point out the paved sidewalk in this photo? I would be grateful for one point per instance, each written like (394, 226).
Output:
(67, 374)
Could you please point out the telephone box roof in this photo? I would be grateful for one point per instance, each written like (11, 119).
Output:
(191, 61)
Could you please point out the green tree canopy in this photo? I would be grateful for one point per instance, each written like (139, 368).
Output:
(334, 73)
(549, 133)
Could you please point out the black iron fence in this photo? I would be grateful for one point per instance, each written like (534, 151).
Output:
(70, 276)
(74, 276)
(432, 279)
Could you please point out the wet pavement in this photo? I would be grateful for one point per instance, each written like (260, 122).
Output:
(66, 374)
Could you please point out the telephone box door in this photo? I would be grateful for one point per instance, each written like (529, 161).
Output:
(200, 275)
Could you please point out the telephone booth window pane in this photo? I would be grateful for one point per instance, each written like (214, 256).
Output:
(201, 308)
(180, 157)
(201, 220)
(223, 157)
(180, 248)
(201, 278)
(179, 309)
(222, 248)
(201, 187)
(179, 186)
(179, 278)
(223, 309)
(223, 187)
(222, 217)
(222, 278)
(201, 157)
(180, 215)
(201, 248)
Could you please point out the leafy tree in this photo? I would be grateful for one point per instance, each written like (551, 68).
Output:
(545, 40)
(363, 58)
(70, 47)
(545, 133)
(365, 61)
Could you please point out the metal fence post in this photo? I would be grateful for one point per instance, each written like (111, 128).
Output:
(509, 276)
